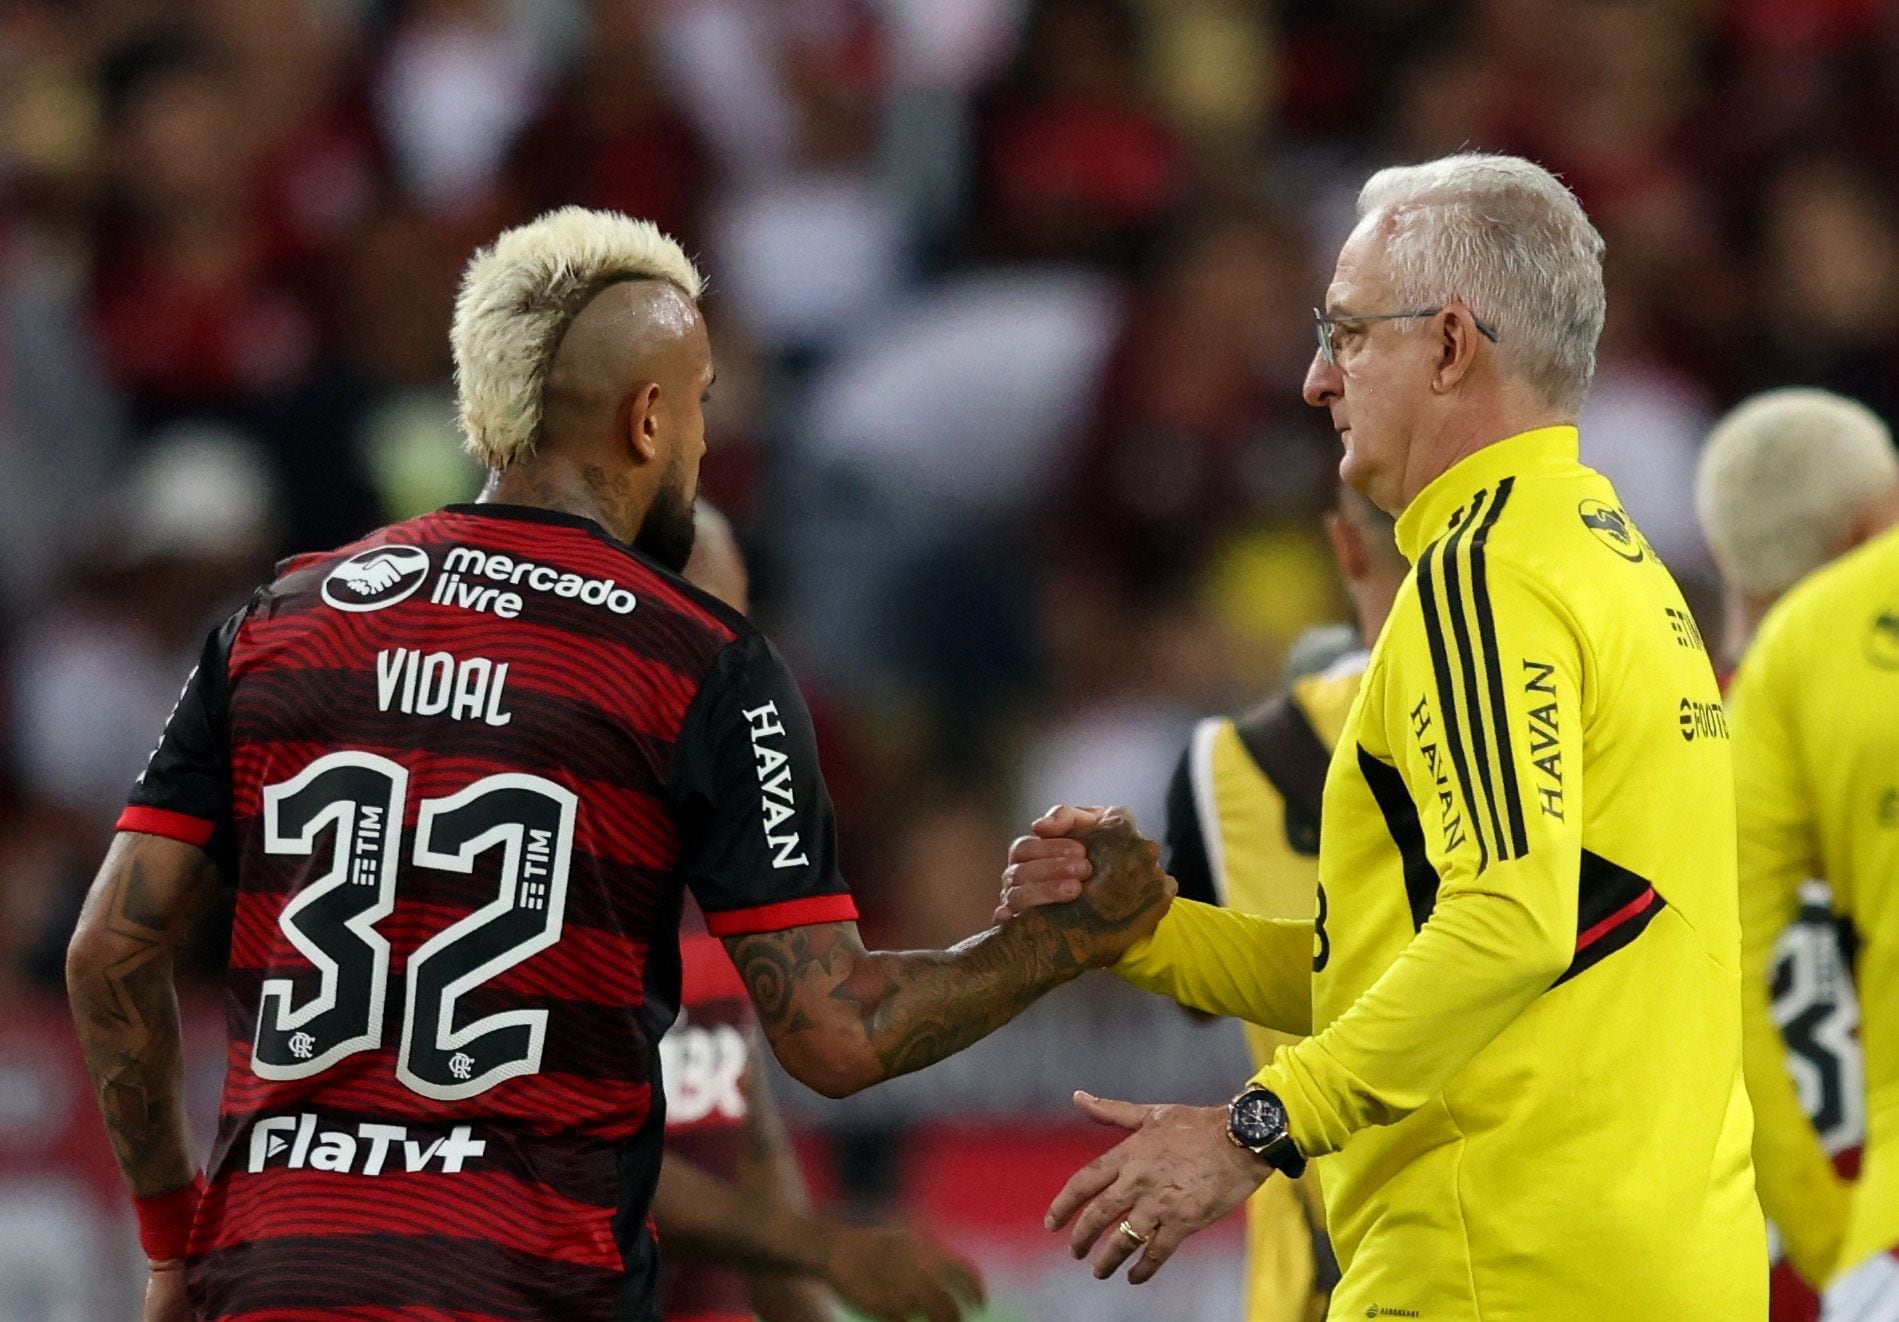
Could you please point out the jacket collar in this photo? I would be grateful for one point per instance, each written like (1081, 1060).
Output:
(1542, 450)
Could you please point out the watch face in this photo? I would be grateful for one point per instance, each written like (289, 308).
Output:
(1258, 1118)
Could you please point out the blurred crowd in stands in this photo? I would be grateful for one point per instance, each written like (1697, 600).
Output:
(1010, 300)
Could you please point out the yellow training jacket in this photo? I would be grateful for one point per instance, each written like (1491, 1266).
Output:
(1816, 749)
(1524, 994)
(1243, 820)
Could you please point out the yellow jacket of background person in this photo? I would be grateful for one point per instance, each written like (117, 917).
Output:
(1816, 749)
(1522, 987)
(1243, 820)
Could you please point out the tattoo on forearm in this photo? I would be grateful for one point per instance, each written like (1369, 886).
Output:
(917, 1007)
(120, 982)
(772, 971)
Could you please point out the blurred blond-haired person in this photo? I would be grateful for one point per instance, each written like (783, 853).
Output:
(1798, 492)
(1789, 480)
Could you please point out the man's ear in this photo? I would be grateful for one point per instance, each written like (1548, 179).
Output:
(1348, 548)
(643, 422)
(1871, 519)
(1458, 340)
(1880, 514)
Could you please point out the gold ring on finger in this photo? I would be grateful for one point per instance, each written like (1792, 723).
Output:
(1131, 1232)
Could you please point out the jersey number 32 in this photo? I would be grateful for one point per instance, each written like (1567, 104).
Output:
(306, 1023)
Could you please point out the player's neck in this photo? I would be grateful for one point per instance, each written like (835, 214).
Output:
(556, 484)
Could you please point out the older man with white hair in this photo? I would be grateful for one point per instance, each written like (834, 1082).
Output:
(1519, 1006)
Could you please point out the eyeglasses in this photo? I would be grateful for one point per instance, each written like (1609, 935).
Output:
(1328, 326)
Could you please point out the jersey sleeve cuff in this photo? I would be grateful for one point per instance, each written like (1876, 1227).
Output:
(1306, 1111)
(163, 821)
(786, 913)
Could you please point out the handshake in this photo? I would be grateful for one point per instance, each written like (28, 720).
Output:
(1089, 875)
(1095, 879)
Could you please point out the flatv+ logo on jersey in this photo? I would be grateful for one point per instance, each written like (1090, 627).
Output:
(373, 579)
(1614, 529)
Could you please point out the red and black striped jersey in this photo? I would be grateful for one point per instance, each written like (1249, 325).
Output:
(461, 774)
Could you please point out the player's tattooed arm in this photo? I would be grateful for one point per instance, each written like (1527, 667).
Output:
(148, 894)
(841, 1018)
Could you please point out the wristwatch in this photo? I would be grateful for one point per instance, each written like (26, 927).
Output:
(1256, 1120)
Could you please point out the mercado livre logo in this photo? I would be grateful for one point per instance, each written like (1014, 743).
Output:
(377, 578)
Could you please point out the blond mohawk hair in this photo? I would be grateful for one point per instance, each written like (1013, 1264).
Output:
(517, 299)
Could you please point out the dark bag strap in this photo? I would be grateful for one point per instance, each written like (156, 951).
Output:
(1285, 747)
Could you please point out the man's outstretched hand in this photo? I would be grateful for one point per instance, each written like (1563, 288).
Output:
(1175, 1174)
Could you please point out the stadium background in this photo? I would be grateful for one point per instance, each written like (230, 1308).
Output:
(1010, 301)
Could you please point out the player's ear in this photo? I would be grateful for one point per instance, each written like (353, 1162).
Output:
(1873, 518)
(643, 422)
(1348, 548)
